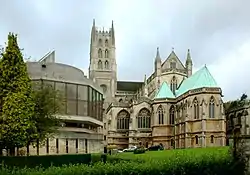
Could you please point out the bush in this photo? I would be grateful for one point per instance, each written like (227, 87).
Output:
(139, 151)
(45, 161)
(167, 167)
(216, 161)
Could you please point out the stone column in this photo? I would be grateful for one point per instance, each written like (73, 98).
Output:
(132, 127)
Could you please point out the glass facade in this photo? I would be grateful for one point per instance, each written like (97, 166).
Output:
(79, 100)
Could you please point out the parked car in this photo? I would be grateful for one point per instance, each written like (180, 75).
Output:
(120, 151)
(156, 148)
(131, 149)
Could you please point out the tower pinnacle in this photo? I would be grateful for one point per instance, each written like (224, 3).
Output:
(158, 57)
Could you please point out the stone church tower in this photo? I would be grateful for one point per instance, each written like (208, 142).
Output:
(102, 67)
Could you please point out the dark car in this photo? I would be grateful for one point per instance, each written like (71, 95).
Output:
(156, 148)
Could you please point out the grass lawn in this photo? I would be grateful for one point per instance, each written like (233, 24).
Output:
(192, 153)
(198, 161)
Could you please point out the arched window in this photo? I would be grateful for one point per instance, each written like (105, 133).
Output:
(212, 139)
(100, 53)
(99, 64)
(171, 115)
(104, 88)
(120, 100)
(211, 108)
(123, 120)
(100, 42)
(106, 64)
(196, 108)
(160, 112)
(173, 84)
(106, 53)
(196, 140)
(106, 43)
(144, 119)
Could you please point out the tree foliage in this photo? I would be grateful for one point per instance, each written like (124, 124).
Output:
(27, 113)
(236, 104)
(47, 103)
(17, 107)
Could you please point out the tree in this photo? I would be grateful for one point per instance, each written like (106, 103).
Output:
(48, 103)
(17, 106)
(239, 148)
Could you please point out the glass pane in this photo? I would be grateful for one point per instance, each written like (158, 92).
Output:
(62, 108)
(82, 92)
(82, 108)
(90, 93)
(71, 91)
(61, 88)
(71, 107)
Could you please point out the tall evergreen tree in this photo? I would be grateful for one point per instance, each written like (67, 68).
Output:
(17, 106)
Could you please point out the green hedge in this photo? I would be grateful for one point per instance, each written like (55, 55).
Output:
(45, 161)
(135, 168)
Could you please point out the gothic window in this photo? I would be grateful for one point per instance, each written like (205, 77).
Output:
(106, 53)
(106, 64)
(100, 53)
(171, 115)
(196, 140)
(100, 42)
(172, 65)
(160, 112)
(99, 64)
(212, 139)
(211, 108)
(196, 108)
(144, 118)
(173, 85)
(123, 120)
(106, 43)
(104, 88)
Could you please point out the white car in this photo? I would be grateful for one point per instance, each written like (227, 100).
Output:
(132, 148)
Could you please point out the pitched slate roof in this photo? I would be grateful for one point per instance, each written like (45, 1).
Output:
(164, 92)
(201, 78)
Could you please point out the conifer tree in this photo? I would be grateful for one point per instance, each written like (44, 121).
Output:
(16, 104)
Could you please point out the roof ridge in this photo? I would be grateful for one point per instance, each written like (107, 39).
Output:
(201, 78)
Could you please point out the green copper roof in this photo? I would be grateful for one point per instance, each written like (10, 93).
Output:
(164, 92)
(201, 78)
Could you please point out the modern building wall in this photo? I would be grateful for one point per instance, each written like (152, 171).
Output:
(81, 129)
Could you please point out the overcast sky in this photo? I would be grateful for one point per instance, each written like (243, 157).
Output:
(216, 31)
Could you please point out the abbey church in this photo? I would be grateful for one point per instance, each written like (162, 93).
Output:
(174, 106)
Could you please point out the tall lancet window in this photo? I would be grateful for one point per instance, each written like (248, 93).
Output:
(196, 108)
(106, 43)
(211, 108)
(160, 112)
(173, 85)
(106, 64)
(100, 53)
(106, 53)
(99, 64)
